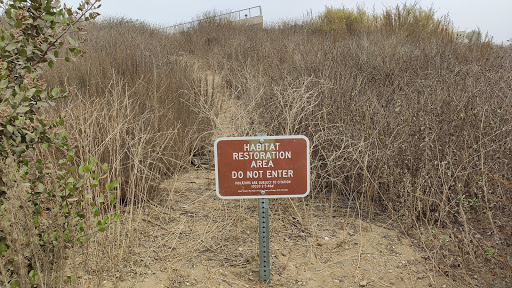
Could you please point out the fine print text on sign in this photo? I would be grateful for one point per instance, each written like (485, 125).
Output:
(262, 166)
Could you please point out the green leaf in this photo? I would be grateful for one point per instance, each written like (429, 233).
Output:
(22, 109)
(32, 275)
(55, 91)
(23, 52)
(19, 98)
(36, 221)
(11, 46)
(116, 217)
(30, 93)
(71, 41)
(4, 83)
(81, 170)
(30, 137)
(18, 24)
(109, 186)
(48, 17)
(19, 150)
(39, 166)
(50, 64)
(8, 13)
(3, 248)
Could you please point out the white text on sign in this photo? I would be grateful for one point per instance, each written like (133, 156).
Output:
(262, 155)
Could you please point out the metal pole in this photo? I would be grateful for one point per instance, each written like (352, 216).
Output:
(264, 240)
(264, 236)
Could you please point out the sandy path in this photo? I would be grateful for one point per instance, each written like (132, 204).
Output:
(199, 240)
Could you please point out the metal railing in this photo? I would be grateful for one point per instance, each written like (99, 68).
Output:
(238, 15)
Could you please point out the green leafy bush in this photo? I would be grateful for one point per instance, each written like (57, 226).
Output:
(48, 201)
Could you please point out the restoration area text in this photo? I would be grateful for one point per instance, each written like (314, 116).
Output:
(262, 155)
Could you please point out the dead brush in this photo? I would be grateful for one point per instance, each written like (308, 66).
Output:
(409, 123)
(401, 122)
(129, 106)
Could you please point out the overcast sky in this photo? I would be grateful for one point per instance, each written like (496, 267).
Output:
(492, 16)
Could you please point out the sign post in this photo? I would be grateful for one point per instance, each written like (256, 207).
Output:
(264, 235)
(262, 167)
(264, 238)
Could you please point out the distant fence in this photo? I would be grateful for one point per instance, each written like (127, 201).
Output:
(252, 15)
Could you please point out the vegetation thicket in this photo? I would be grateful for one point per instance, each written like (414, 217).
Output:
(407, 20)
(403, 120)
(130, 104)
(50, 201)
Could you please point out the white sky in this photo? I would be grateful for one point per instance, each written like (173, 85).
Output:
(492, 16)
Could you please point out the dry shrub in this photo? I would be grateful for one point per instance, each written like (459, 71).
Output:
(409, 20)
(132, 106)
(25, 251)
(37, 255)
(401, 122)
(129, 106)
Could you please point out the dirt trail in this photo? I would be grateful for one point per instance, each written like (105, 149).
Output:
(190, 238)
(198, 240)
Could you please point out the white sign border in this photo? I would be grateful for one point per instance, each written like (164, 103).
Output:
(264, 138)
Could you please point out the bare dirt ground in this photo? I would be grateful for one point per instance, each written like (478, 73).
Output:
(198, 240)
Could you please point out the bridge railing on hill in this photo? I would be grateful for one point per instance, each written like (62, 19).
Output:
(244, 15)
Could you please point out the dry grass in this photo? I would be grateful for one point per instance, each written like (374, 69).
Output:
(417, 128)
(129, 107)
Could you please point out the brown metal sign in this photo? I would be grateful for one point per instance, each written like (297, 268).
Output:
(262, 167)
